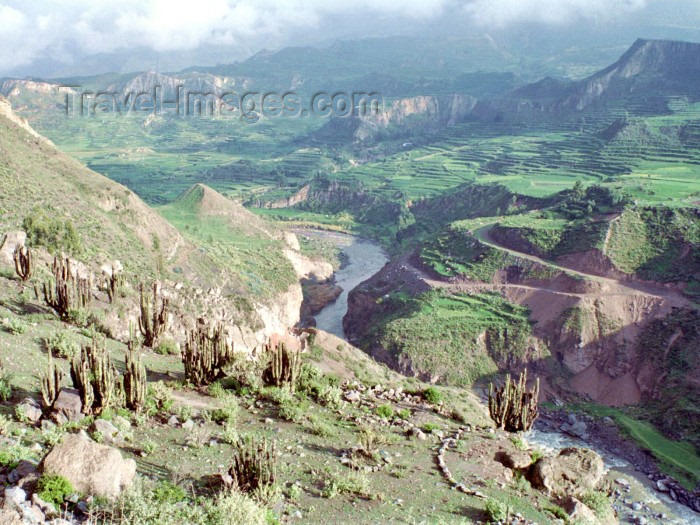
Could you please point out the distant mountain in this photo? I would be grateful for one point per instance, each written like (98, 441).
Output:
(650, 71)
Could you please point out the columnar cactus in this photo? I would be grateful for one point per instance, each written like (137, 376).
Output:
(24, 262)
(153, 321)
(134, 378)
(205, 356)
(512, 407)
(284, 366)
(51, 383)
(253, 464)
(95, 377)
(115, 282)
(66, 292)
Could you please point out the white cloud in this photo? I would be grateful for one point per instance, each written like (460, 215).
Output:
(46, 29)
(505, 12)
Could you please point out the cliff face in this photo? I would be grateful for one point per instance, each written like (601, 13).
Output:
(404, 117)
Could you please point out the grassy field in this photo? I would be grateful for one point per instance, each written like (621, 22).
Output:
(677, 458)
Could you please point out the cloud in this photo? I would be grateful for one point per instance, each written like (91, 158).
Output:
(66, 29)
(500, 13)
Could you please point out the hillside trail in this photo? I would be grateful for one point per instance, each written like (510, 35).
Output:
(610, 287)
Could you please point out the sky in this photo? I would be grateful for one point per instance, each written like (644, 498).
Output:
(40, 35)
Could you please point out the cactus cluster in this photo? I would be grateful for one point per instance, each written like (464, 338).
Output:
(206, 355)
(67, 291)
(253, 466)
(24, 262)
(51, 383)
(95, 377)
(513, 407)
(153, 319)
(135, 386)
(284, 366)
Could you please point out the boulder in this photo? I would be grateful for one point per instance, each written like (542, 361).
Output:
(67, 407)
(573, 472)
(92, 469)
(9, 243)
(517, 459)
(578, 512)
(108, 431)
(31, 409)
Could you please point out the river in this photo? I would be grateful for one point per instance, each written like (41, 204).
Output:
(365, 258)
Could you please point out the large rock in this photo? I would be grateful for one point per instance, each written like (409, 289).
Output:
(10, 517)
(573, 472)
(579, 513)
(67, 407)
(92, 468)
(30, 409)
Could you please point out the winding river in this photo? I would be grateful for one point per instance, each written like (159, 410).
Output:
(362, 260)
(365, 258)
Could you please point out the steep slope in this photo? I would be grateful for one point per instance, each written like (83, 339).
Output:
(37, 179)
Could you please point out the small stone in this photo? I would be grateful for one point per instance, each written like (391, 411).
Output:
(173, 421)
(622, 482)
(297, 515)
(188, 425)
(661, 486)
(352, 396)
(641, 520)
(269, 421)
(418, 433)
(636, 505)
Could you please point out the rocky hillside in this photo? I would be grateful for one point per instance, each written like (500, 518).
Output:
(59, 206)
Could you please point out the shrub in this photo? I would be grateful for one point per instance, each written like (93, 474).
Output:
(54, 489)
(149, 446)
(61, 344)
(254, 464)
(5, 425)
(216, 389)
(5, 386)
(319, 427)
(330, 396)
(432, 395)
(45, 229)
(518, 442)
(536, 455)
(167, 347)
(597, 501)
(293, 410)
(352, 482)
(227, 412)
(496, 510)
(166, 492)
(369, 440)
(429, 427)
(404, 413)
(385, 411)
(15, 326)
(160, 398)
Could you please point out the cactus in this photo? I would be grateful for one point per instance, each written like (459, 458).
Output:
(95, 377)
(153, 321)
(66, 292)
(51, 383)
(114, 284)
(284, 366)
(206, 356)
(24, 262)
(512, 407)
(134, 377)
(253, 464)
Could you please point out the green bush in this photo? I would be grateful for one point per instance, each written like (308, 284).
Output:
(5, 386)
(597, 501)
(385, 411)
(54, 489)
(159, 399)
(56, 235)
(61, 344)
(167, 347)
(166, 492)
(432, 395)
(216, 389)
(404, 413)
(15, 326)
(429, 427)
(496, 510)
(293, 411)
(227, 412)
